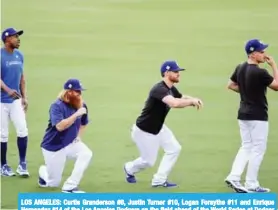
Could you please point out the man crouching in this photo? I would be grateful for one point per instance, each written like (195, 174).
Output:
(68, 116)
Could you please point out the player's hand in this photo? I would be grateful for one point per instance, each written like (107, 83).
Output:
(14, 94)
(270, 60)
(200, 102)
(197, 103)
(81, 111)
(24, 103)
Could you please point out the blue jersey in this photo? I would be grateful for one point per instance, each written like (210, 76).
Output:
(11, 72)
(55, 140)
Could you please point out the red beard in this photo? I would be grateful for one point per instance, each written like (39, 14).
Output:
(74, 100)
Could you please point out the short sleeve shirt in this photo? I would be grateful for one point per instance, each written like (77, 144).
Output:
(253, 82)
(155, 110)
(55, 140)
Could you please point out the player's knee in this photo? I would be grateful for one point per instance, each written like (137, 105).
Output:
(247, 147)
(87, 155)
(178, 149)
(175, 150)
(4, 137)
(22, 132)
(259, 148)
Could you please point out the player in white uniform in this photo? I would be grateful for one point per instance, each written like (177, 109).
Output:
(68, 117)
(13, 101)
(251, 82)
(150, 132)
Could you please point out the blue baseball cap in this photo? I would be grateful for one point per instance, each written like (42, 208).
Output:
(255, 45)
(10, 32)
(73, 84)
(170, 65)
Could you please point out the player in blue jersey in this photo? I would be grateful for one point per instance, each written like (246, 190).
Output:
(13, 101)
(68, 117)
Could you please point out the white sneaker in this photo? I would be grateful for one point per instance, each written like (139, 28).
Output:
(236, 186)
(74, 190)
(22, 170)
(258, 190)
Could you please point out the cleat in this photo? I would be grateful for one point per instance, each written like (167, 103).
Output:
(165, 184)
(6, 170)
(258, 190)
(42, 182)
(22, 170)
(74, 190)
(236, 186)
(129, 178)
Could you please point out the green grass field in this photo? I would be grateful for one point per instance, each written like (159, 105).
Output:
(115, 47)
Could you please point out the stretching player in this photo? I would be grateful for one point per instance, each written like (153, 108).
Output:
(251, 82)
(150, 132)
(62, 139)
(13, 101)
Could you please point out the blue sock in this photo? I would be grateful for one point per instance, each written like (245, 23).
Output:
(22, 147)
(3, 153)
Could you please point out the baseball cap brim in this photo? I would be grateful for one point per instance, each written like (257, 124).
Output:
(178, 69)
(17, 33)
(80, 89)
(76, 89)
(262, 47)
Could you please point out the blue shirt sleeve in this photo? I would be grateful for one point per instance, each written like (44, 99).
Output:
(84, 118)
(56, 114)
(21, 56)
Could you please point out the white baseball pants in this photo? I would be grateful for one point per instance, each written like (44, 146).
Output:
(52, 171)
(14, 112)
(254, 135)
(148, 146)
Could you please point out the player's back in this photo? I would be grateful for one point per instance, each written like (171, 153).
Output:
(253, 82)
(11, 72)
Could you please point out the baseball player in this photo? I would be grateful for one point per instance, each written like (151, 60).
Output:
(13, 101)
(251, 82)
(62, 140)
(149, 132)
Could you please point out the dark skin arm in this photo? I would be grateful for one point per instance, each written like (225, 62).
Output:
(23, 93)
(11, 92)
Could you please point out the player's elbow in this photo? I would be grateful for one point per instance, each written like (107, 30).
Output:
(274, 85)
(230, 86)
(233, 87)
(60, 127)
